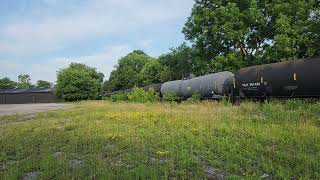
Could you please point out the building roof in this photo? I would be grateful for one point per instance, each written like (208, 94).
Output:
(21, 91)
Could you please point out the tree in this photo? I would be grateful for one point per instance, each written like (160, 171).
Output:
(44, 84)
(24, 81)
(165, 74)
(79, 82)
(106, 86)
(127, 72)
(255, 32)
(6, 83)
(179, 60)
(150, 72)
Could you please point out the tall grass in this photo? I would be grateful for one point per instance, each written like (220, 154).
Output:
(105, 140)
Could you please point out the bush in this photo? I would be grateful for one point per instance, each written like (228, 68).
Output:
(170, 96)
(141, 96)
(119, 97)
(227, 101)
(79, 82)
(152, 95)
(196, 96)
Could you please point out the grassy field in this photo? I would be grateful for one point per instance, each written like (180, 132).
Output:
(105, 140)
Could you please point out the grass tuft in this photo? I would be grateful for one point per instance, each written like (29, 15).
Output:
(107, 140)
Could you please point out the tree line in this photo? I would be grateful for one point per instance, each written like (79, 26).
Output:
(220, 36)
(226, 36)
(24, 82)
(139, 69)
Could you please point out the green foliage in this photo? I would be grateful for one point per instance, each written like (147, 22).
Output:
(127, 73)
(137, 95)
(226, 101)
(228, 35)
(153, 96)
(165, 74)
(178, 61)
(78, 82)
(119, 97)
(139, 69)
(6, 83)
(300, 104)
(105, 140)
(170, 96)
(151, 72)
(44, 84)
(196, 97)
(24, 81)
(230, 62)
(141, 96)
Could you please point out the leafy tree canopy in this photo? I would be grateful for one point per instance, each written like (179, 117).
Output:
(127, 72)
(79, 82)
(24, 81)
(151, 72)
(6, 83)
(179, 60)
(44, 84)
(227, 35)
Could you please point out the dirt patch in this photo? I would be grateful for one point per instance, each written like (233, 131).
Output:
(266, 176)
(11, 109)
(17, 120)
(30, 176)
(5, 165)
(57, 155)
(213, 173)
(75, 164)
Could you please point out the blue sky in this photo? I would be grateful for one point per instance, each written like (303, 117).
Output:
(38, 37)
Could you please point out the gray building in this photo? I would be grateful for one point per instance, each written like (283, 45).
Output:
(25, 96)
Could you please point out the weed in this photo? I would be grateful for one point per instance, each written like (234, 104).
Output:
(106, 140)
(195, 98)
(170, 96)
(138, 95)
(119, 97)
(226, 101)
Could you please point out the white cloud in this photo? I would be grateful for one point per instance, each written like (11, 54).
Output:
(50, 27)
(104, 61)
(91, 18)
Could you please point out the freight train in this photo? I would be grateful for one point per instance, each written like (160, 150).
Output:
(290, 79)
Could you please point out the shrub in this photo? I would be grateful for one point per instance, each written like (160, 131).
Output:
(141, 96)
(119, 97)
(152, 95)
(226, 101)
(196, 96)
(79, 82)
(170, 96)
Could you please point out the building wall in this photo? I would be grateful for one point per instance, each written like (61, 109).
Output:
(2, 99)
(25, 98)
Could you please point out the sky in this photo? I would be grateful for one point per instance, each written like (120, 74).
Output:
(39, 37)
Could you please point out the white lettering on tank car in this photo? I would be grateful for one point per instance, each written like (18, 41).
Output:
(255, 84)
